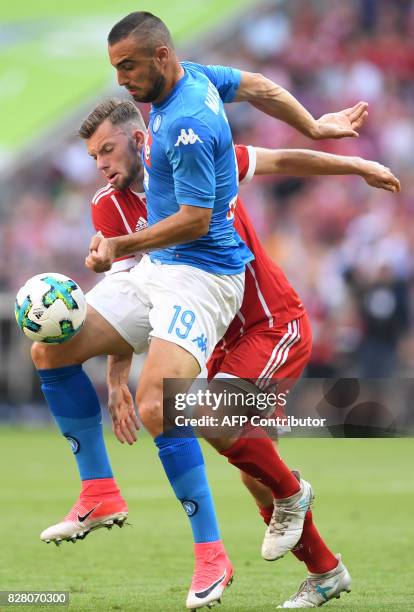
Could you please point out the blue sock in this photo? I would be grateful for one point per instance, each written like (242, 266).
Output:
(75, 406)
(184, 465)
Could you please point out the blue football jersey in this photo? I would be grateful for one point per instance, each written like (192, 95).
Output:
(189, 160)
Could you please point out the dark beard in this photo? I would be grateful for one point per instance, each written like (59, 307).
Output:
(134, 169)
(156, 90)
(128, 180)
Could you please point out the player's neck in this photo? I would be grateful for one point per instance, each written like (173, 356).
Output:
(137, 184)
(175, 73)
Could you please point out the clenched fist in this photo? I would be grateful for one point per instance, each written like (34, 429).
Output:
(101, 253)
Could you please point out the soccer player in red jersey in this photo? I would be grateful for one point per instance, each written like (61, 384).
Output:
(270, 339)
(190, 182)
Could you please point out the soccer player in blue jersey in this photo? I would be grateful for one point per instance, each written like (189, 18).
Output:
(192, 289)
(188, 295)
(190, 292)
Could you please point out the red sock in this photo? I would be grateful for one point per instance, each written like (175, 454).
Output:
(258, 457)
(266, 513)
(312, 550)
(99, 486)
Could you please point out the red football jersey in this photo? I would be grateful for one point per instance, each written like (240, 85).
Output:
(269, 299)
(116, 213)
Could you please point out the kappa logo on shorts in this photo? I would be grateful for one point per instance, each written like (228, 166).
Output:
(190, 506)
(187, 137)
(201, 343)
(74, 444)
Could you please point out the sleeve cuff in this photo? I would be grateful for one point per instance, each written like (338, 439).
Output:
(252, 165)
(185, 200)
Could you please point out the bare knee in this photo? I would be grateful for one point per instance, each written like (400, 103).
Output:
(151, 414)
(40, 355)
(247, 479)
(45, 356)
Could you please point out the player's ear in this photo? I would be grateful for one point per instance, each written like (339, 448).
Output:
(162, 56)
(139, 138)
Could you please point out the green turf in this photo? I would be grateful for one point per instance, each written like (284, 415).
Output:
(50, 8)
(365, 496)
(54, 55)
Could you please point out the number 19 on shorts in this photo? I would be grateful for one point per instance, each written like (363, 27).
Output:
(182, 322)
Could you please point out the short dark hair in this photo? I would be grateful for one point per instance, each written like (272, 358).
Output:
(146, 26)
(117, 111)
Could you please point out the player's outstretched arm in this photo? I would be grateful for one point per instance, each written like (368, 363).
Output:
(277, 102)
(303, 162)
(120, 403)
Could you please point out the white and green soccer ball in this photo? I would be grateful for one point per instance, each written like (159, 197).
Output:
(50, 308)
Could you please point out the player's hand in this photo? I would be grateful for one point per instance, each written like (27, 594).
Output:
(125, 422)
(380, 176)
(344, 123)
(101, 253)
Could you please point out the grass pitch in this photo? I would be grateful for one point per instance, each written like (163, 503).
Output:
(364, 499)
(53, 55)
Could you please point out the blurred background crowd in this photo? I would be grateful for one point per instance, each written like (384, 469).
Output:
(345, 247)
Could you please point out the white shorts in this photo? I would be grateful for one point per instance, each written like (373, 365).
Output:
(178, 303)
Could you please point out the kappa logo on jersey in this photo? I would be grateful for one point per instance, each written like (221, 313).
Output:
(147, 147)
(187, 137)
(141, 224)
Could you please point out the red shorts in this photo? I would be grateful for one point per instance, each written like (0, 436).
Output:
(266, 355)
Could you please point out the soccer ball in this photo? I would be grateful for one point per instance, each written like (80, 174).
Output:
(50, 308)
